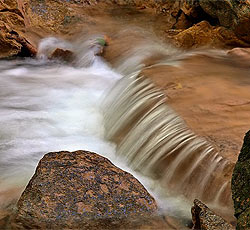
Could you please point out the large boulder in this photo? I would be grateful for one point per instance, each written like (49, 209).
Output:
(205, 219)
(234, 14)
(82, 190)
(241, 186)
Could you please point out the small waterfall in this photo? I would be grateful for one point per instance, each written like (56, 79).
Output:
(48, 105)
(157, 143)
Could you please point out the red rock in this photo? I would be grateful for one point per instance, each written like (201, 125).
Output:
(61, 54)
(81, 190)
(205, 35)
(12, 27)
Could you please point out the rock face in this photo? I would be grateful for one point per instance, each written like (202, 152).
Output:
(205, 219)
(233, 14)
(81, 190)
(12, 38)
(241, 186)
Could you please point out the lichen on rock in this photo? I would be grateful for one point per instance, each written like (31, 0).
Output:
(81, 189)
(205, 219)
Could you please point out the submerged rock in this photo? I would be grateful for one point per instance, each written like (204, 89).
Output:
(61, 54)
(241, 56)
(82, 190)
(205, 219)
(241, 186)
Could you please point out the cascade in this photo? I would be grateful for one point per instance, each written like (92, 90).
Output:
(157, 143)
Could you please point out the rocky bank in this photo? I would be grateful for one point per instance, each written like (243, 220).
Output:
(186, 23)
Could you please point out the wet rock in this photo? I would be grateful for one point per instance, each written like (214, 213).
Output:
(205, 219)
(241, 186)
(61, 54)
(241, 56)
(81, 190)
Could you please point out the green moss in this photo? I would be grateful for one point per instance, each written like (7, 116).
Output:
(101, 41)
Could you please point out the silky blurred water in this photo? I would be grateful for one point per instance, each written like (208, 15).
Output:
(49, 106)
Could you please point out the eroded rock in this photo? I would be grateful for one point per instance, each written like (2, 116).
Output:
(228, 20)
(205, 219)
(205, 35)
(81, 189)
(234, 14)
(241, 186)
(12, 28)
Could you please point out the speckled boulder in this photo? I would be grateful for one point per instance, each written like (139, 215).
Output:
(241, 186)
(205, 219)
(81, 190)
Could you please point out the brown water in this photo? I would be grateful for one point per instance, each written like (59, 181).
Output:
(156, 142)
(206, 88)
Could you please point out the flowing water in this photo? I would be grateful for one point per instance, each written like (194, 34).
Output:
(155, 141)
(50, 106)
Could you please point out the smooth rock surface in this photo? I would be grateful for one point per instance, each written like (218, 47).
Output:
(241, 186)
(205, 219)
(82, 189)
(241, 56)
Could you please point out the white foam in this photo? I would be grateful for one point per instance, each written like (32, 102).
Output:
(46, 106)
